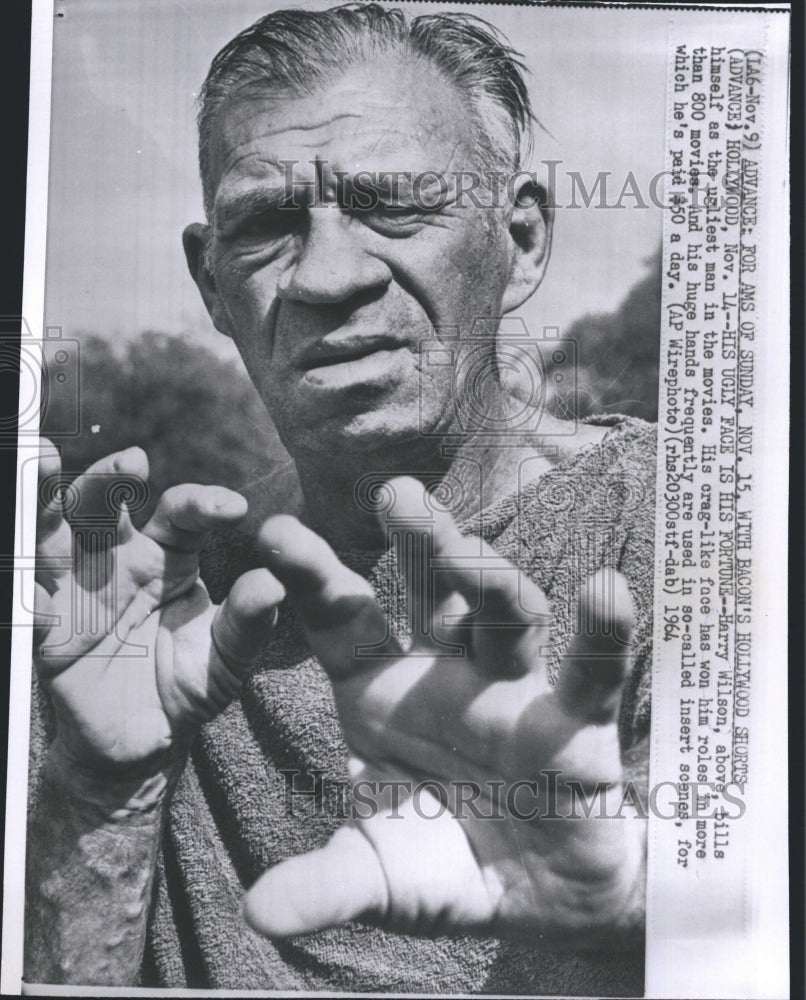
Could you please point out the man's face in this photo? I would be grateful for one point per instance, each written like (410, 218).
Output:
(329, 303)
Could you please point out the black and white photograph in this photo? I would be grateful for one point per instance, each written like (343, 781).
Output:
(398, 606)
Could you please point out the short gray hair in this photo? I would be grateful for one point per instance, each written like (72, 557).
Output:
(300, 50)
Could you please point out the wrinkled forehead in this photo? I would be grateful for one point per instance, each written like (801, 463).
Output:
(400, 114)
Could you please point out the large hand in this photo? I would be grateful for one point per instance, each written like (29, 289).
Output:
(471, 724)
(134, 654)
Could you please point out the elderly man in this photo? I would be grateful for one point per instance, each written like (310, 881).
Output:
(455, 612)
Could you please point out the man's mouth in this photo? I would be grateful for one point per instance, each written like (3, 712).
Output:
(326, 354)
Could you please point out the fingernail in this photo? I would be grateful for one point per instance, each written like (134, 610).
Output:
(230, 503)
(118, 461)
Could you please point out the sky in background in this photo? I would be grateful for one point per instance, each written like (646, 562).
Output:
(123, 174)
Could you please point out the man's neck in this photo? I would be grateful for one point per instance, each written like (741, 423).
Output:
(342, 493)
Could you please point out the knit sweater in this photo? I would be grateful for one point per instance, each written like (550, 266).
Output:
(229, 818)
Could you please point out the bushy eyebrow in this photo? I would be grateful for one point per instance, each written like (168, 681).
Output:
(352, 192)
(252, 202)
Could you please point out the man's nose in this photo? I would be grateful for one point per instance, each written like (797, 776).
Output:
(332, 264)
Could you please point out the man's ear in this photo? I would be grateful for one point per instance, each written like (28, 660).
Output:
(530, 231)
(194, 240)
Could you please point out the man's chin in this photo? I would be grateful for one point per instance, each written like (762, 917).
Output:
(361, 439)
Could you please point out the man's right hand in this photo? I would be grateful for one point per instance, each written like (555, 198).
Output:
(133, 652)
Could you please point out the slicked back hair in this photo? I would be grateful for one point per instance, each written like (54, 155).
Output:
(299, 51)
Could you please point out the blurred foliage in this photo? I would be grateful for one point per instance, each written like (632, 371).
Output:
(200, 420)
(197, 417)
(619, 353)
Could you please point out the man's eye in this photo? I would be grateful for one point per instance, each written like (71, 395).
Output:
(272, 224)
(407, 211)
(391, 215)
(396, 210)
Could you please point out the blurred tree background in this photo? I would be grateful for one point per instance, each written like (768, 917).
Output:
(200, 420)
(618, 354)
(197, 417)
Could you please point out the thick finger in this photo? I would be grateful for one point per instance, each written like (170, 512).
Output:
(497, 592)
(462, 591)
(45, 614)
(596, 664)
(342, 881)
(186, 514)
(337, 607)
(49, 507)
(245, 621)
(408, 526)
(54, 541)
(96, 503)
(106, 489)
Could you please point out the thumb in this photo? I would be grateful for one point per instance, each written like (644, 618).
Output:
(342, 881)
